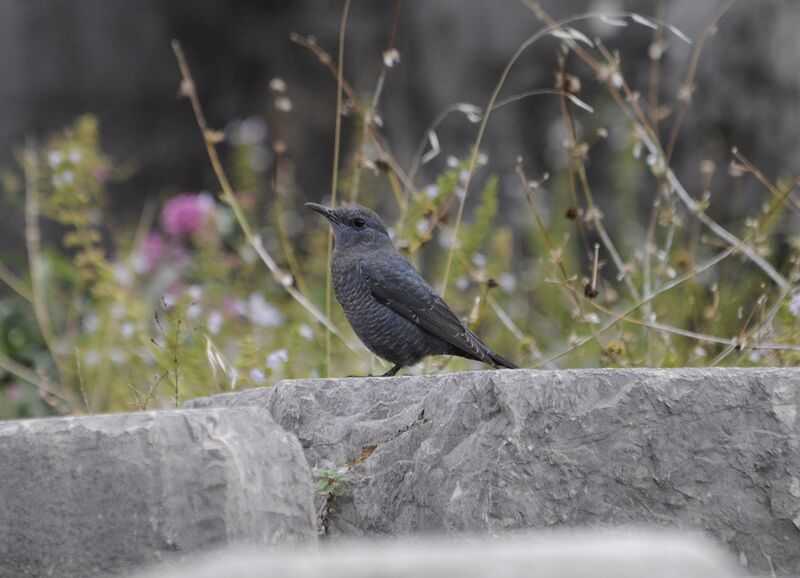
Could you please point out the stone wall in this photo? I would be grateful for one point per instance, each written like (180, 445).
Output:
(482, 454)
(492, 451)
(101, 495)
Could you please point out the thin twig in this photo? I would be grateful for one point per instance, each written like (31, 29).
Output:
(335, 176)
(8, 277)
(285, 280)
(645, 133)
(688, 85)
(368, 118)
(630, 310)
(655, 53)
(769, 185)
(81, 383)
(311, 44)
(485, 120)
(700, 214)
(43, 384)
(738, 341)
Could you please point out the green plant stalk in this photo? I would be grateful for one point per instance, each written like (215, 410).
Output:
(33, 242)
(15, 283)
(335, 177)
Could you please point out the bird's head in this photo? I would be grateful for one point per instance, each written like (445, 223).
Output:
(354, 226)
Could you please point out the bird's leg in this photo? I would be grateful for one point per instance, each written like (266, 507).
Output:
(392, 371)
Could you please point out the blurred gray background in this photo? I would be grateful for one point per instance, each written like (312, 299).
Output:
(59, 59)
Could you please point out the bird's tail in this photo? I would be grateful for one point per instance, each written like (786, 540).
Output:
(501, 361)
(495, 359)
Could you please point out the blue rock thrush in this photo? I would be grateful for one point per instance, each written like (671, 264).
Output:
(397, 315)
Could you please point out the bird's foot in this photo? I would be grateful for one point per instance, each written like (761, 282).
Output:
(392, 371)
(389, 373)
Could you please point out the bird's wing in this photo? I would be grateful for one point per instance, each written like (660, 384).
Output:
(395, 283)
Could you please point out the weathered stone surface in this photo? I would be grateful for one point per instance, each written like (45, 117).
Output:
(711, 449)
(98, 495)
(549, 555)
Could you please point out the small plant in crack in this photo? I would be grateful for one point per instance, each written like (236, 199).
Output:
(330, 484)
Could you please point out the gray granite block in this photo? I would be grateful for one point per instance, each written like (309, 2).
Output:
(708, 449)
(97, 495)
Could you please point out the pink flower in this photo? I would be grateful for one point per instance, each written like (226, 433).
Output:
(151, 251)
(14, 391)
(186, 214)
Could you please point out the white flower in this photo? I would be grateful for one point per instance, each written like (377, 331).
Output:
(276, 358)
(277, 84)
(215, 320)
(139, 263)
(422, 226)
(193, 311)
(306, 332)
(122, 274)
(390, 57)
(91, 357)
(195, 292)
(75, 156)
(446, 240)
(168, 301)
(283, 104)
(126, 330)
(462, 283)
(461, 193)
(68, 177)
(507, 282)
(206, 202)
(432, 191)
(250, 131)
(117, 355)
(240, 307)
(91, 322)
(55, 158)
(794, 304)
(257, 376)
(117, 311)
(452, 162)
(479, 260)
(262, 313)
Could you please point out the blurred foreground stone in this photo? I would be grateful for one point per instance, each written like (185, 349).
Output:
(709, 449)
(98, 495)
(632, 554)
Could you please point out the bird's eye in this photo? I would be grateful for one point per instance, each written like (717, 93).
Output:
(358, 223)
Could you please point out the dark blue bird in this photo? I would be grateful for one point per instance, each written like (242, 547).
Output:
(397, 315)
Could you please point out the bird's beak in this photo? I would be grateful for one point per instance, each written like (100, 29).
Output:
(326, 212)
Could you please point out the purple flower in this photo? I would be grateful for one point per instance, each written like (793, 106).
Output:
(794, 305)
(186, 214)
(262, 313)
(14, 391)
(277, 357)
(150, 253)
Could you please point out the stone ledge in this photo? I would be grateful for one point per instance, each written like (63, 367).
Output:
(98, 495)
(709, 449)
(620, 554)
